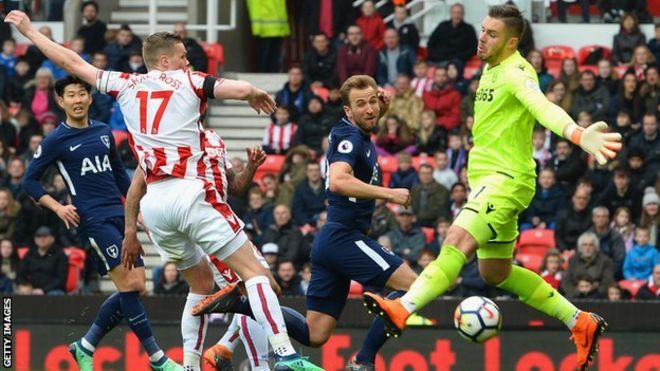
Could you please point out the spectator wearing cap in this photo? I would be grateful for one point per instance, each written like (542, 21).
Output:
(314, 126)
(288, 279)
(320, 63)
(405, 104)
(118, 50)
(408, 33)
(270, 251)
(590, 97)
(356, 57)
(287, 236)
(650, 215)
(371, 24)
(407, 240)
(619, 193)
(43, 270)
(651, 291)
(93, 29)
(453, 39)
(258, 217)
(40, 98)
(573, 221)
(588, 262)
(610, 242)
(394, 60)
(196, 54)
(444, 100)
(309, 198)
(430, 200)
(548, 201)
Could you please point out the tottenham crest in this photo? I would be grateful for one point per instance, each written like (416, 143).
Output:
(112, 251)
(106, 140)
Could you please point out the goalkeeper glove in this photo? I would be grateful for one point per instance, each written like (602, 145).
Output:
(595, 140)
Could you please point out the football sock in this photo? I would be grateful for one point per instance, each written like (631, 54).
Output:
(254, 340)
(230, 338)
(107, 317)
(538, 294)
(138, 321)
(376, 337)
(435, 279)
(193, 331)
(268, 314)
(296, 325)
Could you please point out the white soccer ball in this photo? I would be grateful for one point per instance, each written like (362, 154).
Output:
(477, 319)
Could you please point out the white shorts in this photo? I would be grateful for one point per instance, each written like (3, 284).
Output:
(187, 220)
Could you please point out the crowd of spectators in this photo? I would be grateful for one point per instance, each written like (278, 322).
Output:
(605, 218)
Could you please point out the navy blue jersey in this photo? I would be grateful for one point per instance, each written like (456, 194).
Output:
(90, 166)
(349, 144)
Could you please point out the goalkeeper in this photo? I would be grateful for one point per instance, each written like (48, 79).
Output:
(502, 181)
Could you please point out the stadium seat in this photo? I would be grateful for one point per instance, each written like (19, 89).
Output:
(470, 71)
(620, 71)
(119, 136)
(632, 285)
(554, 54)
(215, 54)
(429, 233)
(418, 160)
(355, 290)
(388, 166)
(584, 52)
(422, 53)
(566, 255)
(21, 49)
(530, 261)
(536, 241)
(474, 62)
(321, 92)
(76, 266)
(22, 251)
(273, 164)
(593, 69)
(554, 71)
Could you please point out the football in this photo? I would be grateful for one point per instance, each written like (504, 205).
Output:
(477, 319)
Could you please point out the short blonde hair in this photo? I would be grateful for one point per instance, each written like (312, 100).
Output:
(356, 82)
(156, 44)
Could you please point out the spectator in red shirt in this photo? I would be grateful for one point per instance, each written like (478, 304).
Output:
(372, 25)
(357, 57)
(551, 270)
(444, 100)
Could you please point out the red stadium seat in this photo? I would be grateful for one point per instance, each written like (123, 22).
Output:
(429, 233)
(355, 290)
(119, 136)
(474, 62)
(554, 71)
(470, 71)
(584, 52)
(388, 166)
(593, 69)
(620, 70)
(530, 261)
(22, 251)
(76, 266)
(418, 160)
(632, 285)
(215, 54)
(566, 255)
(321, 92)
(536, 241)
(422, 53)
(554, 54)
(21, 49)
(273, 164)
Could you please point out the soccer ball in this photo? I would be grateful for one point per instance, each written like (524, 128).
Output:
(477, 319)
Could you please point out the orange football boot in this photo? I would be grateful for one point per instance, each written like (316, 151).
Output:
(391, 311)
(587, 330)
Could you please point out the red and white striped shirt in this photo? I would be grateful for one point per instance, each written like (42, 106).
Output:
(216, 162)
(421, 85)
(279, 138)
(163, 111)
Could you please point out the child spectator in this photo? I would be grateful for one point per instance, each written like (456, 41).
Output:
(441, 228)
(584, 119)
(279, 133)
(551, 269)
(424, 259)
(540, 153)
(456, 153)
(548, 201)
(586, 288)
(306, 277)
(615, 293)
(7, 57)
(430, 137)
(170, 282)
(442, 173)
(651, 291)
(650, 215)
(405, 175)
(394, 136)
(421, 82)
(622, 223)
(641, 259)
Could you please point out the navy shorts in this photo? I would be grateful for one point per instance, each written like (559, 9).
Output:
(339, 255)
(106, 237)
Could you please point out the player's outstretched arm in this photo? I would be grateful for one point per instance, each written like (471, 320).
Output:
(239, 182)
(131, 247)
(258, 99)
(344, 183)
(594, 140)
(63, 57)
